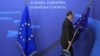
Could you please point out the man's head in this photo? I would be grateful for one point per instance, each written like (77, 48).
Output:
(70, 15)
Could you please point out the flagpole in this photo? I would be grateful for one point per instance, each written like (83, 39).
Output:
(90, 3)
(73, 37)
(26, 1)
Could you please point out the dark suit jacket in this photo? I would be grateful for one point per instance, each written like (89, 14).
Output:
(67, 33)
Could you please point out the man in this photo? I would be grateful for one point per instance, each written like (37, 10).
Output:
(67, 33)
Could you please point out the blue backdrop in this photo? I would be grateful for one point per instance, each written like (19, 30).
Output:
(47, 28)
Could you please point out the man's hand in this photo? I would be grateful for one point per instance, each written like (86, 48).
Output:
(69, 42)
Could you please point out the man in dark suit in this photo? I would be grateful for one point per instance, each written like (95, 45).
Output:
(67, 33)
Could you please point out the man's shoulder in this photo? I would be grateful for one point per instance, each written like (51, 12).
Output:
(66, 20)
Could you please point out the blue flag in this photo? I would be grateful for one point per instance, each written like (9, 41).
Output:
(25, 36)
(82, 23)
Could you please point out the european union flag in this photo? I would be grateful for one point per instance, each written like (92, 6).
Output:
(25, 36)
(82, 23)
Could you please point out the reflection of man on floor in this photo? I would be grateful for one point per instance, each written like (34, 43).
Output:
(67, 33)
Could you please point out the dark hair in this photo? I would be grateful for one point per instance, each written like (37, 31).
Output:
(69, 13)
